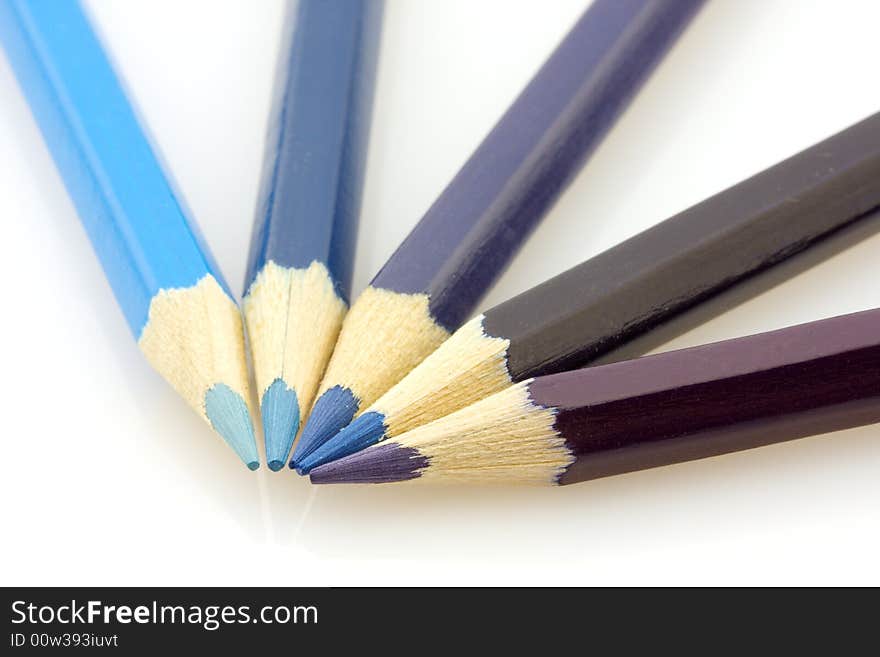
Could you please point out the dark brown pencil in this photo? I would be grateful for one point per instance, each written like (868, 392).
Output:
(582, 314)
(637, 414)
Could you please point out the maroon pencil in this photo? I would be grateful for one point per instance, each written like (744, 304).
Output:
(653, 411)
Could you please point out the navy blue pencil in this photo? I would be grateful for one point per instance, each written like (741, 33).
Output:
(300, 264)
(438, 275)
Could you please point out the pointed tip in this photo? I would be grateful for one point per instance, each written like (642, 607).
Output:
(253, 465)
(385, 463)
(332, 411)
(368, 429)
(280, 410)
(230, 417)
(275, 466)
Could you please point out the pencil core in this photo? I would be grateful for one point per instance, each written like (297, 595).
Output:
(384, 463)
(333, 410)
(229, 415)
(280, 412)
(368, 429)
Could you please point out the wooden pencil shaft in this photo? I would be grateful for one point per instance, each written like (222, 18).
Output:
(478, 223)
(717, 398)
(577, 316)
(315, 153)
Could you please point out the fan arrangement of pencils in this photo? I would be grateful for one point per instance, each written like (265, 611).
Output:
(407, 384)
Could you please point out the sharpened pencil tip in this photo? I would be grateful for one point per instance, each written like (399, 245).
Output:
(332, 411)
(366, 430)
(381, 464)
(280, 410)
(230, 417)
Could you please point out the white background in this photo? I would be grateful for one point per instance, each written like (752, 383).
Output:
(108, 478)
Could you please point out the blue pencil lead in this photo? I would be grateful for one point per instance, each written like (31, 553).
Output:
(280, 410)
(229, 415)
(368, 429)
(332, 411)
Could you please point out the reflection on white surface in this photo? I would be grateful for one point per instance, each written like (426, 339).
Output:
(113, 480)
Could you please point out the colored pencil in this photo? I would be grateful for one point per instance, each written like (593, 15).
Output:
(300, 265)
(434, 280)
(582, 314)
(678, 406)
(162, 274)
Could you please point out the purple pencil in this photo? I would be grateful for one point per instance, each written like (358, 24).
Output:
(672, 407)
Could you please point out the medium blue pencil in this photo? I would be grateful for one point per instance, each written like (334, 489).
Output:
(161, 272)
(300, 264)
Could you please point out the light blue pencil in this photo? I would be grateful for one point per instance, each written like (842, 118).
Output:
(164, 278)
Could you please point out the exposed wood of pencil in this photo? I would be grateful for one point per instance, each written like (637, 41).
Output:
(657, 410)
